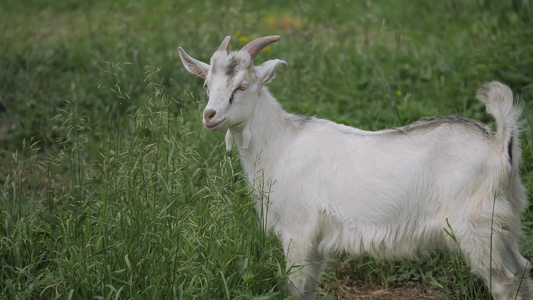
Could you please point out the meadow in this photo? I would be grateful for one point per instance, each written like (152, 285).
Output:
(110, 188)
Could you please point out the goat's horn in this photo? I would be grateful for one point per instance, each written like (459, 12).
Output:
(225, 44)
(255, 46)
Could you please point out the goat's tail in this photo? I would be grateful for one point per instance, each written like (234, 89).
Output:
(499, 101)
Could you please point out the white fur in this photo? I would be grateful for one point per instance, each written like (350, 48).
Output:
(326, 188)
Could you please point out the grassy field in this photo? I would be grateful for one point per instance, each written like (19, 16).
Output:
(111, 189)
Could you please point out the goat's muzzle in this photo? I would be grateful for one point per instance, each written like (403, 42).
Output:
(210, 122)
(209, 114)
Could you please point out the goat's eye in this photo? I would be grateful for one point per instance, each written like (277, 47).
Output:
(242, 87)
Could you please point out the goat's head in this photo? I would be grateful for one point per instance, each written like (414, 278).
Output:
(232, 81)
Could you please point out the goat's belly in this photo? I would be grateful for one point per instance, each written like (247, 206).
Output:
(408, 239)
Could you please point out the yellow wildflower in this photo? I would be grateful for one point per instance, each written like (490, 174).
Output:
(271, 21)
(398, 93)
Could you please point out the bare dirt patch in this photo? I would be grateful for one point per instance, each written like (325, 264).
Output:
(418, 291)
(344, 284)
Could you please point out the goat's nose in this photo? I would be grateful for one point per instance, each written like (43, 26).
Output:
(209, 114)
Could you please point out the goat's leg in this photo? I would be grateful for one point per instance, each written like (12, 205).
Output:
(520, 284)
(304, 265)
(504, 285)
(501, 269)
(495, 277)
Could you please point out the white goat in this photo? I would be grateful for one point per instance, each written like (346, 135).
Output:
(389, 193)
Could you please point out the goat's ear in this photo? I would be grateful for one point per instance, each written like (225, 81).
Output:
(192, 65)
(266, 71)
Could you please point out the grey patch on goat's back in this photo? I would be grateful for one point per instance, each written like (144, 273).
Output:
(433, 122)
(301, 120)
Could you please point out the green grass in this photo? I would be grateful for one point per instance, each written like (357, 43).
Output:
(111, 189)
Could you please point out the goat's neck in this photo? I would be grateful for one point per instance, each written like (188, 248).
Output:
(264, 136)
